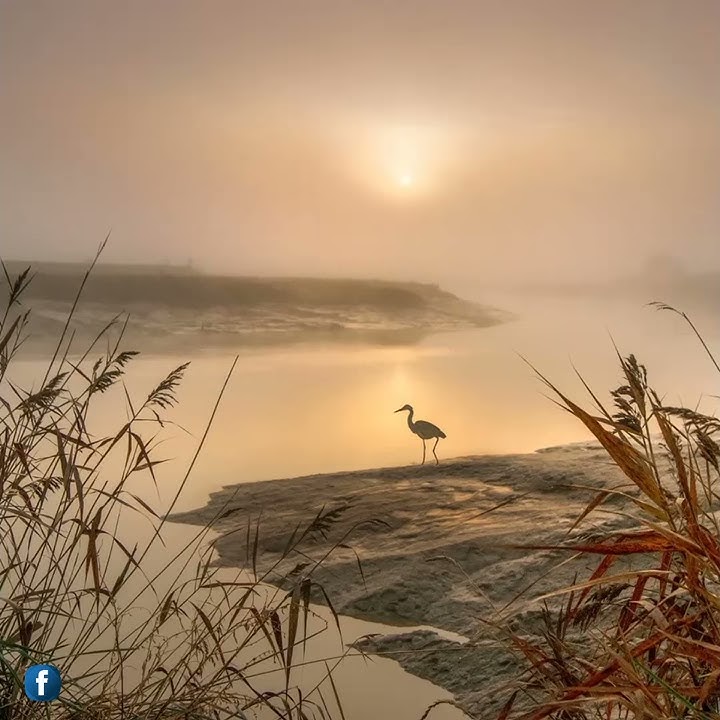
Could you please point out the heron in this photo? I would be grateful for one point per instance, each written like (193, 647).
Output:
(424, 430)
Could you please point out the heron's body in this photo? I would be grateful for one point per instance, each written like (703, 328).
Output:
(424, 430)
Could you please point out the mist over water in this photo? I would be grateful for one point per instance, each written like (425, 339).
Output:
(331, 408)
(323, 407)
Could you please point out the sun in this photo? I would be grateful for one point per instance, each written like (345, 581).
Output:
(406, 179)
(400, 161)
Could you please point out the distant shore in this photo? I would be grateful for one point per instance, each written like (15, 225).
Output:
(441, 557)
(177, 312)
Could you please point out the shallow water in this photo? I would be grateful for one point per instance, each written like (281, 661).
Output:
(312, 409)
(323, 409)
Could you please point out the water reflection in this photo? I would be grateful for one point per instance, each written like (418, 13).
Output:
(325, 409)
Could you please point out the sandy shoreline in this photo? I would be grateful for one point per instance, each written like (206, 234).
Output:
(437, 558)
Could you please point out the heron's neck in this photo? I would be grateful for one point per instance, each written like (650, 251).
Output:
(410, 419)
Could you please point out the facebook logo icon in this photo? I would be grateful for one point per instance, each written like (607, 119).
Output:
(42, 683)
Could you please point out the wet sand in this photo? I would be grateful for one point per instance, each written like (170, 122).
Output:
(442, 552)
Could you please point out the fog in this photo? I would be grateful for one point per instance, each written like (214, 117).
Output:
(424, 140)
(554, 163)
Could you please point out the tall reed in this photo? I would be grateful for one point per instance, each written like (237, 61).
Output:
(132, 638)
(640, 637)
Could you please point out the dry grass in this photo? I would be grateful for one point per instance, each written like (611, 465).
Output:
(640, 637)
(132, 639)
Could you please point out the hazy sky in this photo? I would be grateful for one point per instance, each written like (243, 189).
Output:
(404, 138)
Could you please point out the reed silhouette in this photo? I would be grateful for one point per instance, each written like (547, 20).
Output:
(181, 641)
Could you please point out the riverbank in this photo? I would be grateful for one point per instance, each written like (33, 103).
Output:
(441, 552)
(172, 312)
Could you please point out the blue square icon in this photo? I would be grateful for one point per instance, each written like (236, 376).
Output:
(42, 683)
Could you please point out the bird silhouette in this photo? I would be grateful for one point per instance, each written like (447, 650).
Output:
(424, 430)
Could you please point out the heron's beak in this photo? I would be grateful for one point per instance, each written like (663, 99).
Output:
(399, 410)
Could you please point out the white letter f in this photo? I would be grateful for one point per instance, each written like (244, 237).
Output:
(41, 680)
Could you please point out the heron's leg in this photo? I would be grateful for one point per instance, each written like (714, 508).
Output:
(437, 440)
(423, 462)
